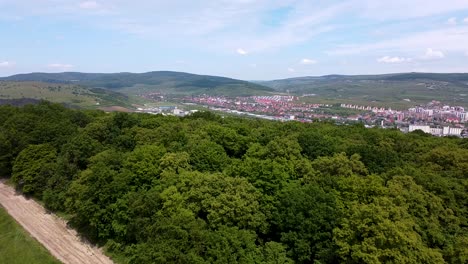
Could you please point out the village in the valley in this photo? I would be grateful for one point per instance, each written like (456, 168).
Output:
(434, 117)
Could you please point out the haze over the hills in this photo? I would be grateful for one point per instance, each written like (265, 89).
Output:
(401, 89)
(160, 81)
(249, 40)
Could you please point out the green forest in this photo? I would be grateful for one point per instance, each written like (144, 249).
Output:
(211, 189)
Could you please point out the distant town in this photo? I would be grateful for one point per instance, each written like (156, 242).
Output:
(434, 118)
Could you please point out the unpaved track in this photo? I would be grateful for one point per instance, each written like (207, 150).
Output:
(52, 232)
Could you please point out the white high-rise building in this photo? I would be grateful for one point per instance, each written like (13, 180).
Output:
(436, 131)
(445, 131)
(452, 131)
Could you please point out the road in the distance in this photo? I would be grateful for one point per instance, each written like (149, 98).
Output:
(51, 231)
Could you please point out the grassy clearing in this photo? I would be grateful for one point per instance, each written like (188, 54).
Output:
(62, 93)
(17, 246)
(58, 93)
(185, 89)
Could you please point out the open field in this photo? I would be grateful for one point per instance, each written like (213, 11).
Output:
(52, 232)
(69, 94)
(51, 92)
(115, 109)
(17, 246)
(190, 89)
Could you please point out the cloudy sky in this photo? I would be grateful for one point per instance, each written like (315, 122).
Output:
(246, 39)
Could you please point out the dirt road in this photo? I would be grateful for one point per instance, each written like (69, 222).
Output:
(49, 230)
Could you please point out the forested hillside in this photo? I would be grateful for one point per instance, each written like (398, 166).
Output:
(207, 189)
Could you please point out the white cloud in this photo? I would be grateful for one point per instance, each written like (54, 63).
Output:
(466, 53)
(89, 5)
(291, 70)
(221, 25)
(433, 54)
(308, 61)
(403, 9)
(388, 59)
(453, 39)
(305, 22)
(241, 51)
(60, 66)
(465, 20)
(452, 21)
(6, 64)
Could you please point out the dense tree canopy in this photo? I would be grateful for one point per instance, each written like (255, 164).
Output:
(208, 189)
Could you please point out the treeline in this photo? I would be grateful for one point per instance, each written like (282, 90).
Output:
(207, 189)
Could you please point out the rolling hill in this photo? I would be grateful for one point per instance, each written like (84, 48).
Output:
(389, 89)
(18, 93)
(158, 81)
(394, 90)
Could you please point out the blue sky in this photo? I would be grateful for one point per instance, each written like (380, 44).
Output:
(246, 39)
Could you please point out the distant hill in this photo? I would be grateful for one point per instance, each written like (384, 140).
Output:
(396, 90)
(387, 89)
(158, 81)
(19, 93)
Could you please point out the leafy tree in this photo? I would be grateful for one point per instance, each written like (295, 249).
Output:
(91, 195)
(218, 199)
(340, 165)
(381, 232)
(266, 175)
(101, 129)
(79, 149)
(315, 144)
(234, 144)
(377, 158)
(33, 167)
(206, 155)
(6, 155)
(173, 237)
(275, 253)
(144, 164)
(175, 162)
(304, 219)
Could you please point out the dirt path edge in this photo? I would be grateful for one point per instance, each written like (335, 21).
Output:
(62, 242)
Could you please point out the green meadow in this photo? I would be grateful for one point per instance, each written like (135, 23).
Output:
(75, 95)
(17, 246)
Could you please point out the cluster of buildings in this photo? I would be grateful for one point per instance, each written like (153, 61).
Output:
(433, 118)
(437, 131)
(365, 108)
(165, 110)
(279, 106)
(274, 98)
(437, 111)
(431, 112)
